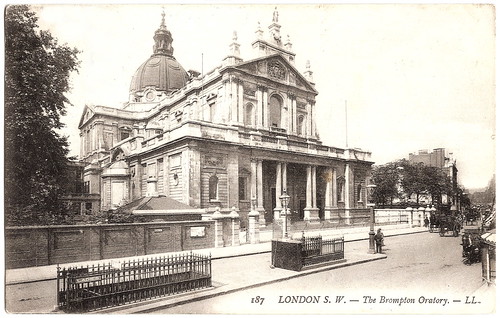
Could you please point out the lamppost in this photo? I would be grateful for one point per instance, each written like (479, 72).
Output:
(285, 198)
(371, 204)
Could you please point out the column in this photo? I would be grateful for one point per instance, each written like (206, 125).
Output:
(328, 194)
(308, 188)
(241, 113)
(227, 100)
(277, 209)
(294, 115)
(234, 100)
(308, 121)
(313, 119)
(253, 177)
(313, 177)
(284, 174)
(334, 187)
(289, 127)
(259, 106)
(265, 112)
(347, 196)
(260, 197)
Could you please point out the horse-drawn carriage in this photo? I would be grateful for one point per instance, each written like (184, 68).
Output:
(443, 224)
(449, 223)
(471, 245)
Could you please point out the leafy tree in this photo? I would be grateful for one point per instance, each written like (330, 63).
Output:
(413, 179)
(37, 71)
(386, 177)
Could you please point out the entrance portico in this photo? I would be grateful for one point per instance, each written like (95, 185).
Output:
(313, 189)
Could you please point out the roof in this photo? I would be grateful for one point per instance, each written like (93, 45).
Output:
(160, 71)
(154, 203)
(490, 237)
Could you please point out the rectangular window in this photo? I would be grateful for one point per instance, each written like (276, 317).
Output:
(86, 187)
(152, 170)
(242, 182)
(88, 206)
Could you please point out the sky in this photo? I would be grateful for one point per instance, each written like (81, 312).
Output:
(392, 79)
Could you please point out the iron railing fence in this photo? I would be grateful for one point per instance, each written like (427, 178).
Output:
(315, 249)
(93, 287)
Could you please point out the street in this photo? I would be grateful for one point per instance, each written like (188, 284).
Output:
(422, 267)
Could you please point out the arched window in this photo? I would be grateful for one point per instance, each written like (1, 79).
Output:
(275, 103)
(300, 125)
(213, 186)
(249, 115)
(340, 189)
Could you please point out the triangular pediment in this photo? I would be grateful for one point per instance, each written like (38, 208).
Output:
(88, 112)
(277, 68)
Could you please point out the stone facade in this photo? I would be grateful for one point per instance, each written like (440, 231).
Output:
(246, 130)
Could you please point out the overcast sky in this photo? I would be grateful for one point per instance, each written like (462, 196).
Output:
(413, 76)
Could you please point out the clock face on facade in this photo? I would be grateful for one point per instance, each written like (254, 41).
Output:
(150, 96)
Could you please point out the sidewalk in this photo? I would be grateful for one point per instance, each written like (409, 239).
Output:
(41, 273)
(243, 267)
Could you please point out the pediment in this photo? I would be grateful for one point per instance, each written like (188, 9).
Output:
(87, 113)
(276, 68)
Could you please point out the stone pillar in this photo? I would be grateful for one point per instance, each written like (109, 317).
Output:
(309, 119)
(334, 188)
(347, 191)
(308, 187)
(259, 107)
(284, 174)
(277, 209)
(217, 217)
(313, 179)
(253, 226)
(265, 112)
(260, 195)
(234, 101)
(311, 213)
(253, 178)
(235, 227)
(241, 112)
(328, 194)
(313, 119)
(294, 116)
(289, 113)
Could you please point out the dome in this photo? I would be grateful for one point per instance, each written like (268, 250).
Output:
(160, 71)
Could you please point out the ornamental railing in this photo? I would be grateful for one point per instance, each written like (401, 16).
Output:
(89, 288)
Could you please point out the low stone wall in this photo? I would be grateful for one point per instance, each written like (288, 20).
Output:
(45, 245)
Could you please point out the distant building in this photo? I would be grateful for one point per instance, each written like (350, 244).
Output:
(244, 132)
(439, 159)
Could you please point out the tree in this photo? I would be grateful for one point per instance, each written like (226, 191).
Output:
(386, 177)
(37, 71)
(413, 179)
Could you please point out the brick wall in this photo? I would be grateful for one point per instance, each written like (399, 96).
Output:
(45, 245)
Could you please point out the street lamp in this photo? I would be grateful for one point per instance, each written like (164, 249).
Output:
(285, 198)
(371, 204)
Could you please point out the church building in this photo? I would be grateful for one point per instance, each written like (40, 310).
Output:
(235, 138)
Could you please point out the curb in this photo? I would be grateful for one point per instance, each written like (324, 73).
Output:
(154, 306)
(20, 282)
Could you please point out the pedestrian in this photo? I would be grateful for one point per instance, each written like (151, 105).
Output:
(379, 241)
(426, 222)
